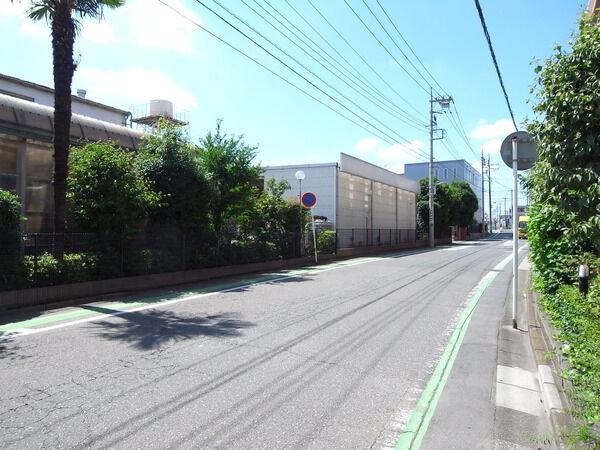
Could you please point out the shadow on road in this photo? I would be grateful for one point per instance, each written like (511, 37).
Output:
(9, 349)
(148, 330)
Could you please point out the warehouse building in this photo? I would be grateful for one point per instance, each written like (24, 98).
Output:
(367, 204)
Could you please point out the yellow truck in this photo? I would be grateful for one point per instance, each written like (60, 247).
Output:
(523, 220)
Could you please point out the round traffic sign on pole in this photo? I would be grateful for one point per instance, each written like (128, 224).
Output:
(527, 151)
(309, 199)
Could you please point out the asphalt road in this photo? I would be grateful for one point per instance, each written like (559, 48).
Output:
(333, 357)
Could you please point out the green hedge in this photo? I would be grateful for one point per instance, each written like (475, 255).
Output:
(577, 319)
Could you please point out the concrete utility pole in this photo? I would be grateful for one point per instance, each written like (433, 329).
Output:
(444, 103)
(483, 194)
(489, 184)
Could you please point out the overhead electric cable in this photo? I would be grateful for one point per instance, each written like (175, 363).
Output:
(352, 69)
(410, 48)
(397, 46)
(391, 141)
(489, 41)
(363, 93)
(350, 65)
(365, 61)
(398, 136)
(385, 48)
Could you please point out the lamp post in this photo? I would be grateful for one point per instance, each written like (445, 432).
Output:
(300, 175)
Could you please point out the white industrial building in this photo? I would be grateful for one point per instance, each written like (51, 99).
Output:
(367, 204)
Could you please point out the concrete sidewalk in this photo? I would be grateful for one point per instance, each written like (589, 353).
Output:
(501, 393)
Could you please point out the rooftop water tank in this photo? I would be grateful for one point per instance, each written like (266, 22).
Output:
(162, 108)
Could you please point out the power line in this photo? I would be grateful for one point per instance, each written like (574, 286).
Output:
(365, 61)
(398, 136)
(375, 102)
(409, 47)
(352, 70)
(384, 47)
(489, 41)
(397, 46)
(391, 142)
(388, 139)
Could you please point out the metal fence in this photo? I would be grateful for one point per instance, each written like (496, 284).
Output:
(89, 257)
(374, 237)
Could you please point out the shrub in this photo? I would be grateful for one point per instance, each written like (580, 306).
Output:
(73, 268)
(577, 318)
(10, 235)
(327, 242)
(106, 192)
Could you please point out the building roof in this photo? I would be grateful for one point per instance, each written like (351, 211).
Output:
(49, 90)
(34, 121)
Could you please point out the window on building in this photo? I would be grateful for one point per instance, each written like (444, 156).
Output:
(445, 174)
(454, 170)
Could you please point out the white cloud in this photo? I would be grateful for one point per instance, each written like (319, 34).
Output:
(492, 146)
(100, 32)
(367, 145)
(500, 128)
(133, 84)
(153, 24)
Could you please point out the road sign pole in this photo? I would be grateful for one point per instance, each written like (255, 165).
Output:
(515, 225)
(315, 238)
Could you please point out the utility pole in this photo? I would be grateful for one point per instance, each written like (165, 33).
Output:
(483, 194)
(489, 167)
(444, 103)
(505, 214)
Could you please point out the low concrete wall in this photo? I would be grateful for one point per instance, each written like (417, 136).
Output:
(50, 294)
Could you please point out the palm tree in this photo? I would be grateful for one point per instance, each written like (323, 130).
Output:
(62, 16)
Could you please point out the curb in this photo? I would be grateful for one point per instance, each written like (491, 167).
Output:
(552, 385)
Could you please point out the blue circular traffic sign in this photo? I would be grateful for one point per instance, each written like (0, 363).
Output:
(309, 199)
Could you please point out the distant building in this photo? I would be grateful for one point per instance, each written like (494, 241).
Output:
(367, 204)
(447, 172)
(26, 135)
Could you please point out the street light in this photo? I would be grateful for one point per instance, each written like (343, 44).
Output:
(300, 175)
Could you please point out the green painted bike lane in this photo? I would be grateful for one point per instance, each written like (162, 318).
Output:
(124, 307)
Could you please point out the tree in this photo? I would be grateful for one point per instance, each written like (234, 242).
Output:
(228, 164)
(442, 207)
(273, 213)
(168, 160)
(106, 194)
(64, 26)
(464, 204)
(565, 180)
(454, 204)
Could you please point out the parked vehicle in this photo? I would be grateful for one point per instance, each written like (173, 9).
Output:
(523, 220)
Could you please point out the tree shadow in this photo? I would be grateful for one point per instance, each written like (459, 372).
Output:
(8, 349)
(148, 330)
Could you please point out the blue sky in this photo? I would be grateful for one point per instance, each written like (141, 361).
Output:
(145, 51)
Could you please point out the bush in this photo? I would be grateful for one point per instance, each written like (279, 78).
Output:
(10, 235)
(577, 318)
(106, 193)
(327, 242)
(73, 268)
